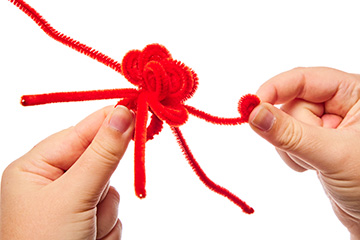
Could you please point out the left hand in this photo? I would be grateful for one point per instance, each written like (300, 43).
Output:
(60, 189)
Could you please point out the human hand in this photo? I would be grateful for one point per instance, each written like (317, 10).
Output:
(318, 127)
(60, 189)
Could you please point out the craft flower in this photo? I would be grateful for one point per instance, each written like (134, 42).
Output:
(164, 82)
(162, 87)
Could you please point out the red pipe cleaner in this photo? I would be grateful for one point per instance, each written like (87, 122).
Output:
(162, 87)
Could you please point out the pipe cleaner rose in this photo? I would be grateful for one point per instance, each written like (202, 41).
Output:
(162, 87)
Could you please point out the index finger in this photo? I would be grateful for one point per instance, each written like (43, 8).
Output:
(62, 149)
(315, 84)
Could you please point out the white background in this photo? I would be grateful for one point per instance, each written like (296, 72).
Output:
(234, 46)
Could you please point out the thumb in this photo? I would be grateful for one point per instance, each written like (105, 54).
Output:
(92, 171)
(314, 145)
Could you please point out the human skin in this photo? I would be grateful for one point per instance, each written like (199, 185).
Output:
(60, 189)
(318, 128)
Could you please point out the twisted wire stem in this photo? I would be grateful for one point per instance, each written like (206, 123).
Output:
(173, 110)
(204, 178)
(64, 39)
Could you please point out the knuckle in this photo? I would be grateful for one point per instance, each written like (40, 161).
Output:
(82, 139)
(115, 194)
(104, 151)
(300, 68)
(7, 173)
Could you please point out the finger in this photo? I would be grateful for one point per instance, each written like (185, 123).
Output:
(304, 111)
(316, 85)
(105, 191)
(62, 149)
(316, 146)
(115, 233)
(331, 120)
(311, 113)
(107, 213)
(94, 168)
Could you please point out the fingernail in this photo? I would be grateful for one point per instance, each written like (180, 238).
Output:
(263, 119)
(121, 119)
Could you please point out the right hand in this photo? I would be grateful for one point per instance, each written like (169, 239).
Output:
(318, 127)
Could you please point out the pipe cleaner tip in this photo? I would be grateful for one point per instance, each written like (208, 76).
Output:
(249, 210)
(141, 194)
(24, 101)
(247, 103)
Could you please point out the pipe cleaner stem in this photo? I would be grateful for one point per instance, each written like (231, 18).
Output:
(246, 104)
(68, 41)
(39, 99)
(214, 119)
(204, 178)
(140, 141)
